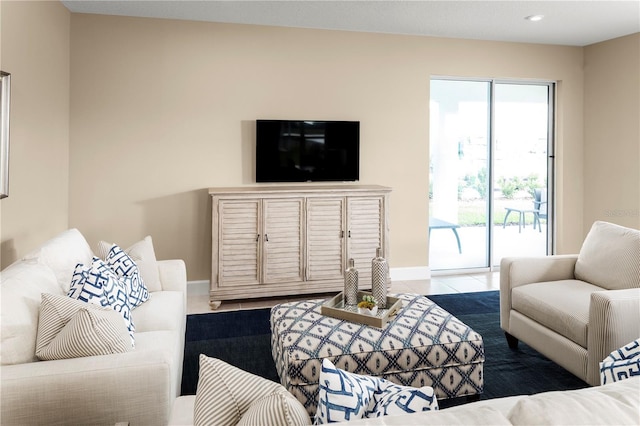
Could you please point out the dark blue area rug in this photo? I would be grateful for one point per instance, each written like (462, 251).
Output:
(243, 339)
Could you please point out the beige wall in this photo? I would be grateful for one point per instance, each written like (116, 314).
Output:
(35, 39)
(612, 135)
(161, 110)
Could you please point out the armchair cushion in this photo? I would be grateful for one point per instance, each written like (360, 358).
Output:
(609, 257)
(562, 306)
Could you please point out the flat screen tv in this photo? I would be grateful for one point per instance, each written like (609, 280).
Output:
(307, 151)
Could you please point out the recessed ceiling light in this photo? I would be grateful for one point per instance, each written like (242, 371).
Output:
(534, 18)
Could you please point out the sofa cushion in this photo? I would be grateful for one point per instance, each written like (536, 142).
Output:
(62, 253)
(69, 328)
(226, 394)
(144, 255)
(125, 267)
(22, 286)
(562, 306)
(98, 284)
(345, 396)
(165, 313)
(609, 257)
(601, 405)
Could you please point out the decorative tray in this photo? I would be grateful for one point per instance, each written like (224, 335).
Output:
(336, 308)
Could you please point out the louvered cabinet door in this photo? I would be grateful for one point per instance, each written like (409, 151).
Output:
(364, 234)
(325, 238)
(282, 240)
(239, 254)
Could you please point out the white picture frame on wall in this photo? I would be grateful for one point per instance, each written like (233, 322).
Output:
(5, 97)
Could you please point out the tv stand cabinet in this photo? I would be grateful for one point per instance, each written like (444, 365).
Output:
(286, 240)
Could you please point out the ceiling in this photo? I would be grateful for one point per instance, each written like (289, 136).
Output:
(571, 23)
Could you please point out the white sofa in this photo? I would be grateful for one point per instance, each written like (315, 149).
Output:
(138, 386)
(617, 403)
(614, 404)
(575, 309)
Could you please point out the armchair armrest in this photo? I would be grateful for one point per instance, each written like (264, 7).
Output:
(517, 271)
(614, 321)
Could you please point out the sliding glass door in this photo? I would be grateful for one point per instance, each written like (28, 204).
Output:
(490, 172)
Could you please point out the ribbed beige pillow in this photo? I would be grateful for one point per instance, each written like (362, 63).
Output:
(69, 328)
(609, 257)
(228, 396)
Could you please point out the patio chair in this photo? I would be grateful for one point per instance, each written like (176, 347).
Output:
(539, 206)
(539, 210)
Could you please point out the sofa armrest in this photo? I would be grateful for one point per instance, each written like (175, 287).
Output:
(614, 321)
(173, 275)
(517, 271)
(131, 387)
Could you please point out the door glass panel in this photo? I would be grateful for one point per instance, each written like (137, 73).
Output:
(520, 170)
(458, 168)
(484, 132)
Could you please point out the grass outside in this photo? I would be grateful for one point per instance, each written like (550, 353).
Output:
(473, 213)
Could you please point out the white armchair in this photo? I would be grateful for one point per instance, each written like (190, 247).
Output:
(575, 309)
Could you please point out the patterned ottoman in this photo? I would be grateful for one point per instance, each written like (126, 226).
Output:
(423, 345)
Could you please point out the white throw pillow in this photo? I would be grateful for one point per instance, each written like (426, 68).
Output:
(345, 396)
(99, 285)
(144, 255)
(61, 253)
(69, 328)
(227, 396)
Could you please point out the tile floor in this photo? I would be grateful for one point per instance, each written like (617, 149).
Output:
(439, 284)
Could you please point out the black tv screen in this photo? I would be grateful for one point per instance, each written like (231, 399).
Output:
(307, 151)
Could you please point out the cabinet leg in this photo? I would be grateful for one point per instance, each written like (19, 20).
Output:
(214, 304)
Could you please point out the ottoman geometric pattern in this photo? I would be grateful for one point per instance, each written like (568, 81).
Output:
(423, 345)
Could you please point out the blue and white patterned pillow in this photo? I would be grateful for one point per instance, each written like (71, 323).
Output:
(125, 267)
(99, 285)
(392, 399)
(621, 364)
(345, 396)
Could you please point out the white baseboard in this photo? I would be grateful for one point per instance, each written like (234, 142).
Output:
(198, 288)
(201, 287)
(411, 273)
